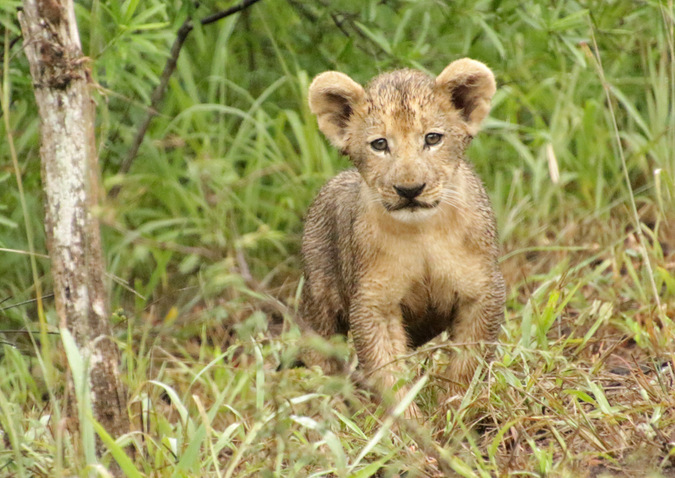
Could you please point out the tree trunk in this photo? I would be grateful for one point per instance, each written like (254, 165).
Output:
(61, 79)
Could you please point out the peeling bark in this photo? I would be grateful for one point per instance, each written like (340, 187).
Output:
(61, 80)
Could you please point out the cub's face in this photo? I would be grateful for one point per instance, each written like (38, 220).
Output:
(406, 131)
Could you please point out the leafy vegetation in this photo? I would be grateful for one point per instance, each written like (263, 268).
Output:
(202, 243)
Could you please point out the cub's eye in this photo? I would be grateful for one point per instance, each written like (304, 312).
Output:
(432, 139)
(379, 144)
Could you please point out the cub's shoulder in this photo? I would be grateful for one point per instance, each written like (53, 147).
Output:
(347, 183)
(337, 198)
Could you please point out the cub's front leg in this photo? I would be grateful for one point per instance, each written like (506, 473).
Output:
(376, 323)
(321, 316)
(478, 323)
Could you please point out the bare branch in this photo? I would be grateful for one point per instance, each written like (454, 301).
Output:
(226, 13)
(160, 90)
(18, 304)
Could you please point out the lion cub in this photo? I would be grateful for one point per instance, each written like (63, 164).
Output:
(404, 247)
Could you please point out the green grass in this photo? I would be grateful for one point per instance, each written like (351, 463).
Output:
(202, 245)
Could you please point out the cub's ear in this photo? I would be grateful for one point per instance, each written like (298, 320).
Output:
(470, 85)
(333, 96)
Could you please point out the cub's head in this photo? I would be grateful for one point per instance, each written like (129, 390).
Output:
(406, 131)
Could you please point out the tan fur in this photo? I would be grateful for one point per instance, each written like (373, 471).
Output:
(399, 276)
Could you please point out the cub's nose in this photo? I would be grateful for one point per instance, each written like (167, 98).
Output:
(410, 192)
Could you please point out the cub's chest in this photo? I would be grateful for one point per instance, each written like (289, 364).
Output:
(427, 262)
(446, 273)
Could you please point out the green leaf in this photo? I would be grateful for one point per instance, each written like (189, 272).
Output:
(372, 468)
(126, 465)
(377, 37)
(575, 20)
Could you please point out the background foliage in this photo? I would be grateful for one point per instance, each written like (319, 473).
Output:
(202, 240)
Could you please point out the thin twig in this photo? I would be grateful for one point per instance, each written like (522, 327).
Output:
(25, 332)
(29, 301)
(226, 13)
(27, 253)
(342, 20)
(160, 90)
